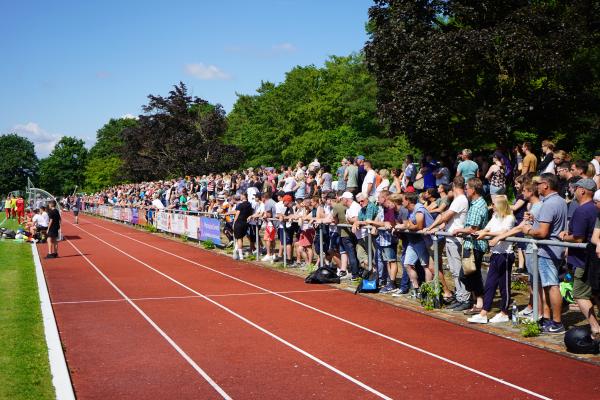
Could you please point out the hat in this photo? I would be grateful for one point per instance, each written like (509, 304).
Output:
(287, 198)
(587, 184)
(360, 157)
(597, 195)
(347, 195)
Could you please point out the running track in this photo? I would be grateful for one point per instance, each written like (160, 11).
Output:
(143, 317)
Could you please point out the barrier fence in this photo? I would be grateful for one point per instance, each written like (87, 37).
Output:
(208, 226)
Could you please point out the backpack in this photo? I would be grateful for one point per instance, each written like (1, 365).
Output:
(323, 275)
(9, 234)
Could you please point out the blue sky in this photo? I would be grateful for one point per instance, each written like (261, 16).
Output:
(67, 67)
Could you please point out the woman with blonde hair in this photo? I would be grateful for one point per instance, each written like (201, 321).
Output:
(501, 262)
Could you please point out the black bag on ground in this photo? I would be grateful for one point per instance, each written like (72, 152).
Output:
(9, 234)
(323, 275)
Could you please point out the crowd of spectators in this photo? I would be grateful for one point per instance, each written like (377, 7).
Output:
(479, 200)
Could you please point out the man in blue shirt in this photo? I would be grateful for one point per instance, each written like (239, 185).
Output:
(581, 228)
(551, 221)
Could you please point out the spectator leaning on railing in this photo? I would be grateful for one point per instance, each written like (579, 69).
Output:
(551, 222)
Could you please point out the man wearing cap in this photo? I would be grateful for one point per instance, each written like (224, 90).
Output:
(581, 228)
(551, 221)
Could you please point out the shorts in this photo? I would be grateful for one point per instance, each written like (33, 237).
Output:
(269, 235)
(440, 245)
(306, 237)
(76, 211)
(548, 272)
(529, 266)
(416, 252)
(581, 289)
(289, 235)
(240, 229)
(52, 233)
(389, 253)
(496, 190)
(334, 241)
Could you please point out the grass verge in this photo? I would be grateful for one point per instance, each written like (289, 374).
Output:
(24, 368)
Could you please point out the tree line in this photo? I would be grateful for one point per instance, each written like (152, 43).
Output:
(434, 75)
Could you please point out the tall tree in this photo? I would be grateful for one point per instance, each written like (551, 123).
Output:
(460, 72)
(104, 165)
(63, 170)
(177, 135)
(17, 162)
(327, 112)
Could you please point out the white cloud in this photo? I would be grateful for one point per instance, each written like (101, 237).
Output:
(43, 141)
(128, 116)
(206, 72)
(284, 48)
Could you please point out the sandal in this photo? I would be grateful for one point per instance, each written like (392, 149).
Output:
(473, 311)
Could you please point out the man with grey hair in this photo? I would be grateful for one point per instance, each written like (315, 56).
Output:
(467, 168)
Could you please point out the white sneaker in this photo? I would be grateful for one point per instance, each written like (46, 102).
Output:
(267, 258)
(234, 255)
(478, 319)
(526, 312)
(499, 318)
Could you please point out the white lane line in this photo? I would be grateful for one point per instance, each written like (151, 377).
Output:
(189, 297)
(356, 325)
(249, 322)
(58, 365)
(3, 221)
(158, 329)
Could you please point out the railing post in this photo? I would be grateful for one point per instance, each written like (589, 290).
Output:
(436, 260)
(535, 286)
(369, 245)
(257, 243)
(321, 253)
(284, 245)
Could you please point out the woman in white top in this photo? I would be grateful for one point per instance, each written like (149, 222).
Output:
(385, 182)
(501, 263)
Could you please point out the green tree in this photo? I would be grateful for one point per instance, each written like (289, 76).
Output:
(177, 135)
(327, 112)
(104, 164)
(64, 168)
(457, 73)
(17, 162)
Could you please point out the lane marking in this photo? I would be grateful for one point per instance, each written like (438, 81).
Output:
(61, 379)
(3, 221)
(249, 322)
(189, 297)
(354, 324)
(157, 328)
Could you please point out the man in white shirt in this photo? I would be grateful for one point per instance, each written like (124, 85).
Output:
(453, 219)
(369, 186)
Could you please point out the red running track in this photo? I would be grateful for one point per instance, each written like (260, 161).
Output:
(141, 316)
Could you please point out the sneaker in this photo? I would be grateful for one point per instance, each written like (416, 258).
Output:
(472, 311)
(525, 313)
(479, 319)
(402, 291)
(266, 258)
(462, 306)
(416, 294)
(389, 288)
(50, 255)
(499, 318)
(554, 328)
(453, 304)
(342, 274)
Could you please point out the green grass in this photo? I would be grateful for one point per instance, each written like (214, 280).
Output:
(24, 369)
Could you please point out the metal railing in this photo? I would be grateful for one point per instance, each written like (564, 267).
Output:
(436, 236)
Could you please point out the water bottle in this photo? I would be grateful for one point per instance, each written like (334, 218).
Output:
(514, 314)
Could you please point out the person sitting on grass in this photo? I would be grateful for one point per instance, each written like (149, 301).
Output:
(501, 262)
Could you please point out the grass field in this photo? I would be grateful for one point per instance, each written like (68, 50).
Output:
(24, 368)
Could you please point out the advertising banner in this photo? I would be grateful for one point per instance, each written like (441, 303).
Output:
(210, 229)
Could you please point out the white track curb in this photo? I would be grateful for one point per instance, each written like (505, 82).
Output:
(58, 365)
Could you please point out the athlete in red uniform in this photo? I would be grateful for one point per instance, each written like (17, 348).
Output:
(20, 209)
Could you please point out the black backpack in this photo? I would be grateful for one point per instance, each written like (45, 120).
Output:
(9, 234)
(323, 275)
